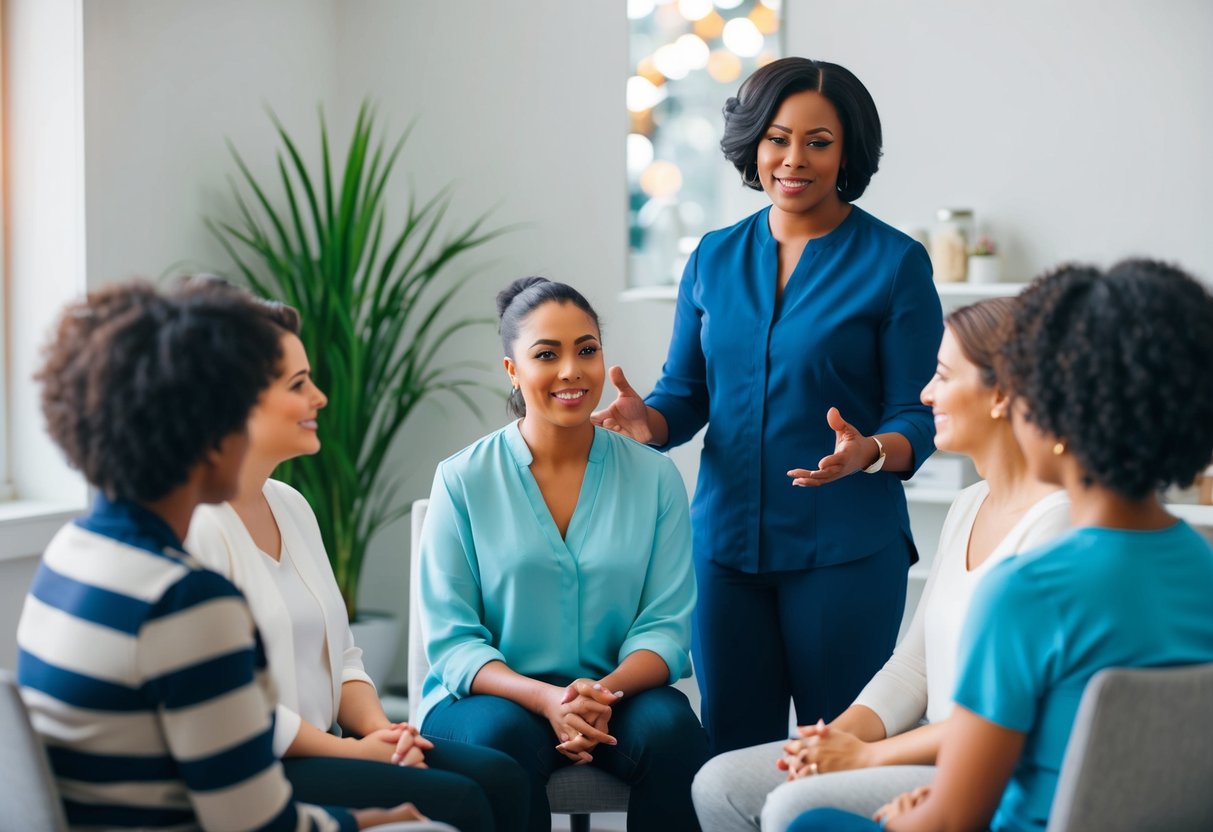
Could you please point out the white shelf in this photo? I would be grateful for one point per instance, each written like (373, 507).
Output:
(1196, 515)
(979, 290)
(946, 290)
(668, 293)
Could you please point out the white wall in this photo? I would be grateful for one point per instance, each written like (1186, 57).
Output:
(1079, 130)
(1073, 127)
(167, 83)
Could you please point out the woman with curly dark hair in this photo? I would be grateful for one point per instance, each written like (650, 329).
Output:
(802, 337)
(143, 671)
(1113, 401)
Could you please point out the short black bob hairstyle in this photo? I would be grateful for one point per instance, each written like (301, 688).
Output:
(139, 382)
(1117, 366)
(749, 113)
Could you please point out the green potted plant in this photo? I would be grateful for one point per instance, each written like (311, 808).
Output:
(372, 301)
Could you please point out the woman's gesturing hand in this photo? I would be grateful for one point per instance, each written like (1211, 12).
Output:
(852, 452)
(627, 414)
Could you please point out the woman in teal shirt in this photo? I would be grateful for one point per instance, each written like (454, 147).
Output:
(556, 580)
(1113, 401)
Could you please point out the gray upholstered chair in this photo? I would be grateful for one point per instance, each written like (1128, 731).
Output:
(577, 791)
(1140, 755)
(27, 789)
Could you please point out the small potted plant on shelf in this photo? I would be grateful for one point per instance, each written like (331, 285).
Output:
(984, 262)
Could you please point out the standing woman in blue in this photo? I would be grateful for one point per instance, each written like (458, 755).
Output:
(802, 337)
(1113, 401)
(556, 580)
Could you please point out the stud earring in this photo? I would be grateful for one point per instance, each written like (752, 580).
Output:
(995, 413)
(1059, 449)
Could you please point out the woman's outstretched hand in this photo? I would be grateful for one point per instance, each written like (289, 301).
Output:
(627, 414)
(852, 452)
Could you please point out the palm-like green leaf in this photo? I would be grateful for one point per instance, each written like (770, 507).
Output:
(375, 307)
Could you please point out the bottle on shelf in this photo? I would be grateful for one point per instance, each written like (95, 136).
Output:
(950, 244)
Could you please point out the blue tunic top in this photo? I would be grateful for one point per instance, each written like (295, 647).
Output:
(499, 583)
(1043, 623)
(857, 328)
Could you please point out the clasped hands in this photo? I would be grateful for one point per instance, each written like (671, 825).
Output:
(579, 715)
(400, 744)
(820, 748)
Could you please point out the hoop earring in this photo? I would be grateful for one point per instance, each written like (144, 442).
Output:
(745, 178)
(841, 183)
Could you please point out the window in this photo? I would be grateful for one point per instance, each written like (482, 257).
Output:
(6, 488)
(686, 57)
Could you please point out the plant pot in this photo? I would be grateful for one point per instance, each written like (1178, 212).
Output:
(985, 268)
(378, 634)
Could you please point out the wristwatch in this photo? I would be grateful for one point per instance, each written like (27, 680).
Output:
(879, 463)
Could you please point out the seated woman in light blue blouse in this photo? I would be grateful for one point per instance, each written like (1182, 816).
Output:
(1113, 400)
(556, 580)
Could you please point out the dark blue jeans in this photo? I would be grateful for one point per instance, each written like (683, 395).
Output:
(813, 635)
(473, 789)
(661, 746)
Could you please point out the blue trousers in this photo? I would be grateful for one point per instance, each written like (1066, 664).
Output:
(661, 746)
(832, 820)
(473, 789)
(816, 636)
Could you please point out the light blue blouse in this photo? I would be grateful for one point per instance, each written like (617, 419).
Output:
(499, 583)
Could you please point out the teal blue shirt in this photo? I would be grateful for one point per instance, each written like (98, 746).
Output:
(498, 582)
(1043, 623)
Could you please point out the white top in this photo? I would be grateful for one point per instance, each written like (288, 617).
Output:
(919, 679)
(313, 679)
(219, 539)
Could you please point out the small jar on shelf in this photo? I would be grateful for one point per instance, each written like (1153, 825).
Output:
(950, 244)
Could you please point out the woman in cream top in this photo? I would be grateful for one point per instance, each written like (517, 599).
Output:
(267, 541)
(877, 749)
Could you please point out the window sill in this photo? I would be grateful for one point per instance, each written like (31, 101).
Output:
(26, 526)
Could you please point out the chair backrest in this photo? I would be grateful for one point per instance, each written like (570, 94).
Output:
(27, 787)
(419, 665)
(1140, 755)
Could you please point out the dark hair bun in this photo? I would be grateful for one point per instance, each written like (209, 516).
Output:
(506, 296)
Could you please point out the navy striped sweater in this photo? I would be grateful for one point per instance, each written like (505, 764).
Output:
(145, 677)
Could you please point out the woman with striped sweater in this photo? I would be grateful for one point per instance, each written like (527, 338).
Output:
(142, 671)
